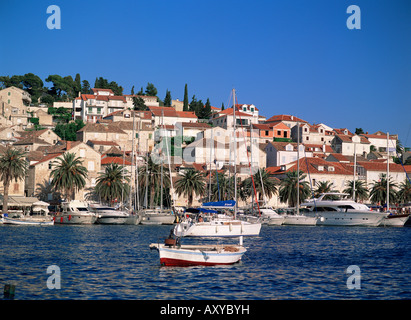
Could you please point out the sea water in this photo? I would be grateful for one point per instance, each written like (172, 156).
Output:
(98, 262)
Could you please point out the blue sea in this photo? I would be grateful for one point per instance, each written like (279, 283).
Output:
(100, 262)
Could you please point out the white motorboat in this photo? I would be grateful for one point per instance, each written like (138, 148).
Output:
(201, 222)
(75, 212)
(299, 220)
(173, 254)
(109, 215)
(28, 220)
(334, 209)
(394, 220)
(270, 217)
(156, 216)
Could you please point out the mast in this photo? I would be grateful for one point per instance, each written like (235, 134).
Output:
(298, 168)
(132, 162)
(355, 171)
(388, 173)
(235, 157)
(161, 178)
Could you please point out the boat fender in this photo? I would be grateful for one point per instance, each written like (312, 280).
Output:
(69, 217)
(322, 219)
(61, 220)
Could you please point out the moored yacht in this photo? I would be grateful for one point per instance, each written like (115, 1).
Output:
(75, 212)
(335, 209)
(109, 215)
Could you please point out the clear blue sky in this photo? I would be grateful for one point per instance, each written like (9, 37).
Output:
(286, 57)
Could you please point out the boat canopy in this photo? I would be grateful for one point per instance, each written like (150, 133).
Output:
(219, 204)
(200, 210)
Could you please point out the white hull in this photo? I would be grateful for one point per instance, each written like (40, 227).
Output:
(299, 220)
(333, 218)
(215, 228)
(112, 220)
(190, 255)
(153, 217)
(87, 218)
(28, 221)
(394, 221)
(273, 221)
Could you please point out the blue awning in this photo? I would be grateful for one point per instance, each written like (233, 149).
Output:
(219, 204)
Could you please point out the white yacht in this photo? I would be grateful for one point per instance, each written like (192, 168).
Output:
(109, 215)
(156, 216)
(335, 209)
(270, 217)
(75, 212)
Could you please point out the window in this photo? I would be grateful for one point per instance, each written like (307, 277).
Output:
(9, 93)
(252, 109)
(91, 166)
(278, 132)
(90, 109)
(320, 168)
(266, 132)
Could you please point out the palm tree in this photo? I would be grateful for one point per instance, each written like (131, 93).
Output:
(404, 192)
(378, 192)
(268, 187)
(323, 187)
(288, 188)
(13, 165)
(149, 176)
(112, 183)
(190, 182)
(222, 188)
(361, 190)
(68, 175)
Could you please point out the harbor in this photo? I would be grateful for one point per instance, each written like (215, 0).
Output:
(101, 262)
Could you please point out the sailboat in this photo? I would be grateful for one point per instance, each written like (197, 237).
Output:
(392, 220)
(298, 218)
(158, 215)
(216, 223)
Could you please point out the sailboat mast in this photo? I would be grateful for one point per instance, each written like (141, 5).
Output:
(388, 173)
(298, 168)
(235, 157)
(355, 171)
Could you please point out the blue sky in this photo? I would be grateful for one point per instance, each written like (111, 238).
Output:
(286, 57)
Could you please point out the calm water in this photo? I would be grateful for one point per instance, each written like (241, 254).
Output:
(284, 262)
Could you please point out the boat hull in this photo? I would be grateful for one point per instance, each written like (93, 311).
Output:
(218, 229)
(112, 219)
(183, 256)
(395, 220)
(366, 219)
(76, 219)
(27, 222)
(157, 218)
(298, 220)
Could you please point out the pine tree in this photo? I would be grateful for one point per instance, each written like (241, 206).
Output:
(185, 105)
(167, 99)
(132, 91)
(222, 106)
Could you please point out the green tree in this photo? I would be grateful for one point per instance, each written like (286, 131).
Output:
(185, 102)
(77, 84)
(132, 91)
(67, 131)
(85, 88)
(68, 174)
(404, 192)
(189, 183)
(323, 187)
(205, 111)
(222, 187)
(268, 187)
(113, 183)
(139, 104)
(167, 99)
(378, 193)
(13, 166)
(290, 186)
(359, 131)
(149, 179)
(151, 90)
(361, 190)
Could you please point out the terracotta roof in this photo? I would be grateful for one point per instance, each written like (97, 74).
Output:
(98, 127)
(314, 165)
(378, 166)
(100, 89)
(117, 160)
(104, 143)
(186, 114)
(285, 117)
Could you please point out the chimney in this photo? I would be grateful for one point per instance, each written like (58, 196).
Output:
(324, 148)
(68, 145)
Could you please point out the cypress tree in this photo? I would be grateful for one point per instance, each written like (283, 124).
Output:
(185, 105)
